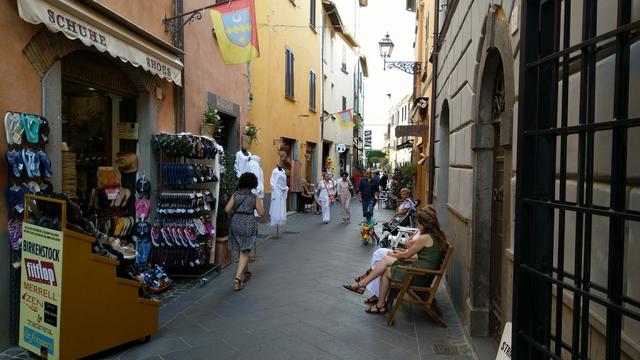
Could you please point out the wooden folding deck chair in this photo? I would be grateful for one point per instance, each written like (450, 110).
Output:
(420, 295)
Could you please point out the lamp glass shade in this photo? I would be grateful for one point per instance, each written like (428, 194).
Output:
(386, 46)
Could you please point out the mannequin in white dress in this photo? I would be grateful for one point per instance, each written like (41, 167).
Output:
(243, 157)
(279, 189)
(253, 166)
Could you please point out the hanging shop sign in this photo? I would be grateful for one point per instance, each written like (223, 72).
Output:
(341, 148)
(77, 21)
(410, 130)
(128, 131)
(40, 290)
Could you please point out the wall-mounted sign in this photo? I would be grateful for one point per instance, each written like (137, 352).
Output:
(41, 290)
(411, 130)
(341, 148)
(128, 130)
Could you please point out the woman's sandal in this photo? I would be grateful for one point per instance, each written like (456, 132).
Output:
(358, 279)
(378, 310)
(237, 284)
(247, 275)
(358, 289)
(372, 300)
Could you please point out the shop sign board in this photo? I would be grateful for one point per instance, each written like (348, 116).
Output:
(128, 131)
(40, 290)
(341, 148)
(410, 130)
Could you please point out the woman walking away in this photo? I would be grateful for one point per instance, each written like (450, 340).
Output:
(345, 189)
(426, 251)
(325, 188)
(244, 225)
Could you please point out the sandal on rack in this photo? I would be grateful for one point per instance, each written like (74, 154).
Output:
(237, 284)
(378, 310)
(357, 288)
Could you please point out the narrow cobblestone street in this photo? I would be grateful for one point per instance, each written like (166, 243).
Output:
(295, 308)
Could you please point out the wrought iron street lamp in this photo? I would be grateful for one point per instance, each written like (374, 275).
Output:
(386, 48)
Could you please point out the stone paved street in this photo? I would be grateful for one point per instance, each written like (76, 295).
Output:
(295, 308)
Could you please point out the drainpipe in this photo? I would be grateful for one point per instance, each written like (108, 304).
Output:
(322, 49)
(434, 91)
(179, 43)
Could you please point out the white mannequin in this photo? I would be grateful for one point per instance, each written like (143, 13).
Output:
(253, 166)
(242, 159)
(279, 189)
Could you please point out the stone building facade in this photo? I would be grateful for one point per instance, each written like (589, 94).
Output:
(477, 65)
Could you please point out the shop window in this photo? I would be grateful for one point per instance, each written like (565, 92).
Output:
(344, 103)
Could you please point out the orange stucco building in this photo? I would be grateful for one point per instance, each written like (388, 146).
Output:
(89, 67)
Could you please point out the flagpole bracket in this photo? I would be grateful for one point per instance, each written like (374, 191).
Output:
(174, 24)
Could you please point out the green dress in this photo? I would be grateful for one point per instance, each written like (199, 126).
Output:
(428, 258)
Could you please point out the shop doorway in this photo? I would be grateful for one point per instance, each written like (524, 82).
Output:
(310, 163)
(344, 162)
(326, 150)
(497, 244)
(227, 136)
(93, 112)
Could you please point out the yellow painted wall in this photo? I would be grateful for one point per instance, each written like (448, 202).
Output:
(282, 24)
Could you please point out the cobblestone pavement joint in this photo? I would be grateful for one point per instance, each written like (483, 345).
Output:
(294, 307)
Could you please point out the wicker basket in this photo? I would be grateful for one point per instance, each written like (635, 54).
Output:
(69, 176)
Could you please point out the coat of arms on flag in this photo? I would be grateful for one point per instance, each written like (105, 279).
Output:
(234, 23)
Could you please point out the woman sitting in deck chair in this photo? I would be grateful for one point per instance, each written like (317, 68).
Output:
(426, 251)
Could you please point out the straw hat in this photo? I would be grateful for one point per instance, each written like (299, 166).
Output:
(127, 162)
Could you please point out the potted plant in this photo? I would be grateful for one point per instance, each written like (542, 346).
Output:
(228, 185)
(250, 134)
(211, 122)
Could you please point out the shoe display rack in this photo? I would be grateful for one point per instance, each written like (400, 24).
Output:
(86, 308)
(183, 233)
(28, 172)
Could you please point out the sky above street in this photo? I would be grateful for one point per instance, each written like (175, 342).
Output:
(373, 22)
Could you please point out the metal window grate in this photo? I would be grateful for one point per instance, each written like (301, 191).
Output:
(561, 217)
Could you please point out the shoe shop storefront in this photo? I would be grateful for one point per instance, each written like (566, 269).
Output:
(83, 91)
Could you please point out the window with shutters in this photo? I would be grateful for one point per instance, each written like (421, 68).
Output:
(289, 70)
(312, 90)
(312, 13)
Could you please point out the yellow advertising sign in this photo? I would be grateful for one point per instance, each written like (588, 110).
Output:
(40, 290)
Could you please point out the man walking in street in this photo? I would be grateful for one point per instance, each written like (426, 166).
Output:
(368, 192)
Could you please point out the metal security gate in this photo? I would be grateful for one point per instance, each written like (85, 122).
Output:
(555, 292)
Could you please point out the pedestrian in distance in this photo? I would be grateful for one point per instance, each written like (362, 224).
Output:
(368, 192)
(345, 191)
(243, 229)
(325, 190)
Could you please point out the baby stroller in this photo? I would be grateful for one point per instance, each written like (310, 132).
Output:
(391, 229)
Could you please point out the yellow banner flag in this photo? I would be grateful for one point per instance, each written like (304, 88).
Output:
(234, 23)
